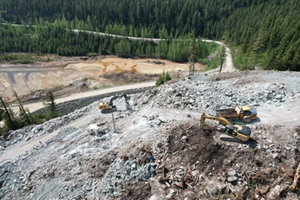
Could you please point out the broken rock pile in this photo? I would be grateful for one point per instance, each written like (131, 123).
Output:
(157, 150)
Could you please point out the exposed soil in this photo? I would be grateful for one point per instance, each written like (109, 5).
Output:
(189, 144)
(64, 75)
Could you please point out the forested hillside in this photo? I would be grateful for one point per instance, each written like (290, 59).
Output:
(262, 32)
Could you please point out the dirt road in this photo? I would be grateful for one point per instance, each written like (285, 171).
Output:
(36, 106)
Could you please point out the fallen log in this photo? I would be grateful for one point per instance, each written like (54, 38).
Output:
(296, 179)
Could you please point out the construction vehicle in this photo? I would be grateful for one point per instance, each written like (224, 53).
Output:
(109, 106)
(237, 131)
(242, 113)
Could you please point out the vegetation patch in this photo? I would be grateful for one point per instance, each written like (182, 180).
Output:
(128, 77)
(165, 77)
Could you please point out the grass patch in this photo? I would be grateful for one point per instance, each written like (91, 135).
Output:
(210, 64)
(23, 58)
(165, 77)
(16, 58)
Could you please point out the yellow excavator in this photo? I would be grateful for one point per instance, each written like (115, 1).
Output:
(237, 131)
(242, 113)
(109, 106)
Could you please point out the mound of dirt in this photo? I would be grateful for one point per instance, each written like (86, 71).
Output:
(189, 144)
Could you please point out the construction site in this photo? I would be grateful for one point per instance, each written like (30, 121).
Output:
(174, 141)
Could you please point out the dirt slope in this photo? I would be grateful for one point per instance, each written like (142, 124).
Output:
(156, 149)
(71, 75)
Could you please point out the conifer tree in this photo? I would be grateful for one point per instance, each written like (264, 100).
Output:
(23, 114)
(50, 106)
(192, 51)
(8, 118)
(222, 54)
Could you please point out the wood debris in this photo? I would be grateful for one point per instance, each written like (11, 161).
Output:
(296, 179)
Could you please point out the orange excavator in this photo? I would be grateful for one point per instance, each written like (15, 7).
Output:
(237, 131)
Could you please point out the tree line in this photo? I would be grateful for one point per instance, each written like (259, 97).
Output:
(53, 38)
(263, 32)
(13, 121)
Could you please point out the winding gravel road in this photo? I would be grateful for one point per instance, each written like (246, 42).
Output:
(227, 66)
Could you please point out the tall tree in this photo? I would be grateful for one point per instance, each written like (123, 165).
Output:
(8, 114)
(222, 54)
(193, 53)
(259, 45)
(50, 106)
(23, 114)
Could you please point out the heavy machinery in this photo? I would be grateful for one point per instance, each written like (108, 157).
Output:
(237, 131)
(242, 113)
(109, 106)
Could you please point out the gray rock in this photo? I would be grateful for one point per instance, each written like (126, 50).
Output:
(184, 138)
(157, 122)
(269, 151)
(171, 194)
(275, 193)
(275, 155)
(231, 179)
(232, 173)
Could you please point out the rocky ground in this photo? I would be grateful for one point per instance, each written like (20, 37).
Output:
(155, 148)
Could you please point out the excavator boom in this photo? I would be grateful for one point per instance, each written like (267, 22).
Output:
(222, 120)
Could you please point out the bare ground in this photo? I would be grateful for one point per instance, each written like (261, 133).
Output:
(64, 75)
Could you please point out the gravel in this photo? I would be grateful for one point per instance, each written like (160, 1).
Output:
(89, 155)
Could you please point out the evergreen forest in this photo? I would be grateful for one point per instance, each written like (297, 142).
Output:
(259, 32)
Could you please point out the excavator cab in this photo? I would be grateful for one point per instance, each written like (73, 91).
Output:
(105, 107)
(239, 132)
(246, 114)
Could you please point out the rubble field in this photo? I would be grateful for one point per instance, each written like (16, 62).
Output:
(155, 148)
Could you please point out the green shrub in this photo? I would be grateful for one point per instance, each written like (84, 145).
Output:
(163, 78)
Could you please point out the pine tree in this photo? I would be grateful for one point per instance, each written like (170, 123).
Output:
(50, 106)
(7, 116)
(259, 45)
(192, 51)
(222, 54)
(23, 114)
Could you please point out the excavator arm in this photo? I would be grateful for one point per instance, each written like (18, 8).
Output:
(116, 97)
(222, 120)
